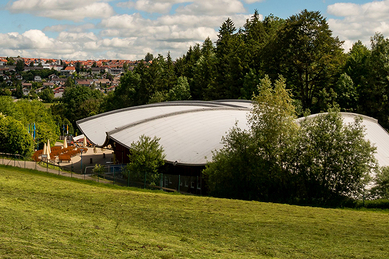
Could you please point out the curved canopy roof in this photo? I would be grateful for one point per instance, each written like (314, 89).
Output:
(190, 130)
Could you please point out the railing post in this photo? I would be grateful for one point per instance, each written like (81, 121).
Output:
(179, 182)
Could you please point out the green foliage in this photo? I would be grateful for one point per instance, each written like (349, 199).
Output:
(381, 187)
(334, 159)
(306, 53)
(19, 66)
(30, 112)
(14, 137)
(180, 91)
(374, 93)
(149, 57)
(252, 165)
(98, 169)
(373, 204)
(347, 94)
(146, 156)
(47, 95)
(80, 102)
(323, 161)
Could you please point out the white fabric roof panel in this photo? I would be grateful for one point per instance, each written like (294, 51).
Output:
(190, 130)
(95, 127)
(187, 138)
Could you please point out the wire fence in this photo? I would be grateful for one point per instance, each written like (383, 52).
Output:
(110, 174)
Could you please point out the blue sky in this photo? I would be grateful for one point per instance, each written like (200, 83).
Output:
(128, 29)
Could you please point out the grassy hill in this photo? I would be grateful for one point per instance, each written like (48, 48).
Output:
(48, 216)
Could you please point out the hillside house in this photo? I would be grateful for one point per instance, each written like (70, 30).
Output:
(68, 71)
(39, 90)
(116, 71)
(27, 85)
(95, 71)
(58, 92)
(37, 79)
(48, 85)
(26, 91)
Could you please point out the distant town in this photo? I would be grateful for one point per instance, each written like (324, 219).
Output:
(30, 76)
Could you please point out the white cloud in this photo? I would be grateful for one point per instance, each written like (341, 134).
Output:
(178, 25)
(71, 28)
(211, 21)
(152, 6)
(200, 7)
(32, 39)
(73, 10)
(254, 1)
(76, 37)
(125, 21)
(359, 22)
(215, 7)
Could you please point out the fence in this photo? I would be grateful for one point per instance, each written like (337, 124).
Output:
(110, 174)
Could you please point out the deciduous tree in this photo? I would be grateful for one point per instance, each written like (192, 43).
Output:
(146, 156)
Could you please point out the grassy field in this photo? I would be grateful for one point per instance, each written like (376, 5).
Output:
(48, 216)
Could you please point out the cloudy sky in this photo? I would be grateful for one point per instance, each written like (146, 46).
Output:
(128, 29)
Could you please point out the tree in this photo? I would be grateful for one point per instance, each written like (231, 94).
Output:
(333, 159)
(253, 164)
(306, 53)
(347, 95)
(381, 187)
(149, 57)
(19, 65)
(78, 66)
(321, 161)
(180, 91)
(374, 91)
(10, 61)
(146, 156)
(81, 102)
(204, 73)
(14, 137)
(230, 63)
(128, 92)
(47, 95)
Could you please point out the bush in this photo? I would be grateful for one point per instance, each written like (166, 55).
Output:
(146, 156)
(14, 137)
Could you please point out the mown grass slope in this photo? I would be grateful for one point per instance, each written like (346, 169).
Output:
(46, 216)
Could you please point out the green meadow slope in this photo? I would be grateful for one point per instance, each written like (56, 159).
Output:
(48, 216)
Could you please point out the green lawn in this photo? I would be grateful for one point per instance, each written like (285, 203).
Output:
(49, 216)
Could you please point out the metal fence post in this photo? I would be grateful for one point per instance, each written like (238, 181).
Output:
(179, 182)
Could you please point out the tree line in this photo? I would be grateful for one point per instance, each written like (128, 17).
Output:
(301, 48)
(25, 125)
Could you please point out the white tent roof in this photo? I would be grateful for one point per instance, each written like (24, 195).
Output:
(190, 130)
